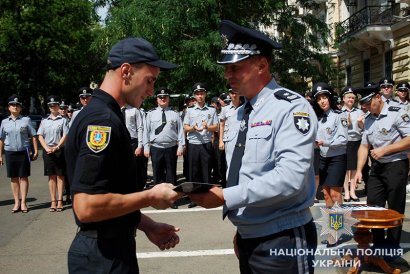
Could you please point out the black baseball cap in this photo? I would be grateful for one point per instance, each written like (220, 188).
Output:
(135, 50)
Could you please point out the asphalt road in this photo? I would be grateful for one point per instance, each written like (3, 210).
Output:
(37, 242)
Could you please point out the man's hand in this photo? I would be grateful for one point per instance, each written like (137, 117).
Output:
(213, 198)
(147, 154)
(221, 145)
(162, 196)
(180, 152)
(378, 153)
(163, 235)
(138, 151)
(357, 178)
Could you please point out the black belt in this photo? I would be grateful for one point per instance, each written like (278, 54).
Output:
(108, 234)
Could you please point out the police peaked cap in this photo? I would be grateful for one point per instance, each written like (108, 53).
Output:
(347, 90)
(162, 91)
(133, 51)
(199, 86)
(403, 85)
(85, 91)
(369, 84)
(63, 104)
(386, 81)
(15, 99)
(240, 43)
(367, 93)
(53, 99)
(321, 88)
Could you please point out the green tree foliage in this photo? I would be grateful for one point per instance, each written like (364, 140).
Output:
(186, 32)
(45, 47)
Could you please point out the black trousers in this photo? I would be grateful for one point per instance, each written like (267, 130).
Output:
(199, 160)
(387, 183)
(218, 164)
(164, 164)
(141, 166)
(256, 255)
(99, 256)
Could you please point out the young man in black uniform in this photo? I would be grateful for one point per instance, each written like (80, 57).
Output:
(106, 195)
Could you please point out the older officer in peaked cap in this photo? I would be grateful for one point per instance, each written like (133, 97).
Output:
(164, 139)
(387, 135)
(106, 195)
(270, 185)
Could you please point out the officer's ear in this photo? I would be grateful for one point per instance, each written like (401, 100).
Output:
(126, 71)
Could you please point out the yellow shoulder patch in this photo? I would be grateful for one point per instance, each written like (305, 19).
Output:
(98, 137)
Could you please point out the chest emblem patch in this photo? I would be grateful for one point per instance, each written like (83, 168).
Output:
(98, 137)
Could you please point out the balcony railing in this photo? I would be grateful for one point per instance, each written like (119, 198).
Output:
(370, 15)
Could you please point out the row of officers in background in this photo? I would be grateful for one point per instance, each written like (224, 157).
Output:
(200, 133)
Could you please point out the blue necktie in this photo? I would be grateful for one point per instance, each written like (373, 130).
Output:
(164, 122)
(236, 161)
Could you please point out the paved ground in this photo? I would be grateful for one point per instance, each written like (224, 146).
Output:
(37, 242)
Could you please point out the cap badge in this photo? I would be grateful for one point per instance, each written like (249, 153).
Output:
(16, 99)
(319, 88)
(51, 99)
(225, 40)
(98, 138)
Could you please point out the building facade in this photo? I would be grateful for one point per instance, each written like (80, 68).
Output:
(371, 40)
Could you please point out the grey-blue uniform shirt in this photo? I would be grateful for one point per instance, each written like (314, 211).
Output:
(353, 130)
(134, 122)
(227, 112)
(53, 130)
(276, 181)
(333, 131)
(391, 101)
(16, 134)
(172, 133)
(194, 116)
(389, 127)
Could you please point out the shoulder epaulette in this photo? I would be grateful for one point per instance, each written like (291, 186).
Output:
(367, 114)
(338, 111)
(151, 110)
(394, 100)
(191, 106)
(211, 106)
(394, 108)
(283, 94)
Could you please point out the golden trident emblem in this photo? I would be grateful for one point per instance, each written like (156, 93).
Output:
(336, 221)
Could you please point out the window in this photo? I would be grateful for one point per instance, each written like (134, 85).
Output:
(348, 76)
(388, 64)
(366, 71)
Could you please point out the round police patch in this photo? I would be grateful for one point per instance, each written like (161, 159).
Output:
(98, 137)
(344, 122)
(301, 120)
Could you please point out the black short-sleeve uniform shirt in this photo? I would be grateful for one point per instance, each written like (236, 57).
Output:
(100, 159)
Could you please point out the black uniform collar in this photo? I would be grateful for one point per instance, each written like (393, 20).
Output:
(109, 100)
